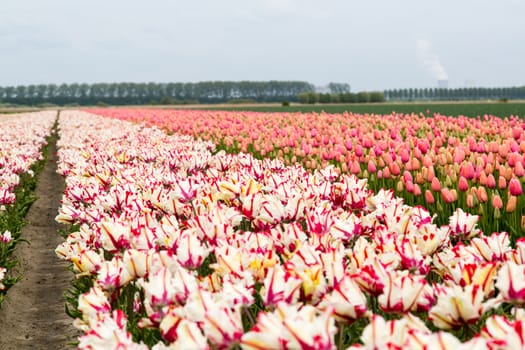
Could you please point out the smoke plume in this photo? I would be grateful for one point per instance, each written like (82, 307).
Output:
(430, 60)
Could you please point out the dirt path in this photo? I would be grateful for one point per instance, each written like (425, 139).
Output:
(32, 316)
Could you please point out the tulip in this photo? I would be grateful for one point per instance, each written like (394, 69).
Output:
(471, 201)
(503, 333)
(280, 285)
(435, 185)
(392, 334)
(113, 274)
(463, 184)
(293, 326)
(93, 304)
(191, 252)
(429, 198)
(187, 334)
(482, 195)
(491, 248)
(6, 237)
(3, 270)
(87, 261)
(346, 300)
(463, 224)
(420, 340)
(447, 195)
(502, 183)
(512, 202)
(511, 282)
(109, 333)
(222, 326)
(114, 236)
(404, 293)
(457, 306)
(515, 187)
(497, 202)
(371, 167)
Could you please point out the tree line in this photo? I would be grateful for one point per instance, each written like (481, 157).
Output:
(156, 93)
(343, 97)
(456, 94)
(232, 92)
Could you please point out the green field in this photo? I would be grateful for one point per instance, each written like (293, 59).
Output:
(470, 109)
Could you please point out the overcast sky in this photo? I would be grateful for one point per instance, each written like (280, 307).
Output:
(371, 45)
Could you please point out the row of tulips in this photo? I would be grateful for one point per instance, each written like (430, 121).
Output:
(442, 163)
(186, 249)
(21, 140)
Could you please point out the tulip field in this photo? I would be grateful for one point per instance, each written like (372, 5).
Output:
(311, 231)
(21, 141)
(246, 230)
(441, 163)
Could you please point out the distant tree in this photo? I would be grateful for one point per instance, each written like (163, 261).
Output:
(339, 88)
(313, 97)
(325, 98)
(348, 97)
(376, 96)
(363, 97)
(303, 97)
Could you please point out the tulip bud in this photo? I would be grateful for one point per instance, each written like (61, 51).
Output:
(410, 186)
(502, 183)
(470, 201)
(463, 184)
(481, 194)
(448, 181)
(511, 204)
(371, 167)
(417, 190)
(429, 198)
(497, 202)
(447, 195)
(515, 187)
(436, 185)
(491, 181)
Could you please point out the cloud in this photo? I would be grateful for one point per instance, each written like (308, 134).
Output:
(430, 60)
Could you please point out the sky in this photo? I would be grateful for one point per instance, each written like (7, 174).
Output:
(371, 45)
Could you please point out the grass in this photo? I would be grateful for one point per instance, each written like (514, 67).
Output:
(470, 109)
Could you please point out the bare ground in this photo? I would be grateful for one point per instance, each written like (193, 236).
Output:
(33, 316)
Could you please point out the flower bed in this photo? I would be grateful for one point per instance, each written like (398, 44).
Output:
(176, 248)
(442, 163)
(22, 139)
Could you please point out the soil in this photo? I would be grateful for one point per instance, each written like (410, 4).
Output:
(33, 313)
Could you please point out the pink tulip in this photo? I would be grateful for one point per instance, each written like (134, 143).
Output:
(429, 197)
(519, 170)
(497, 202)
(515, 188)
(512, 202)
(371, 167)
(462, 184)
(436, 185)
(491, 181)
(502, 183)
